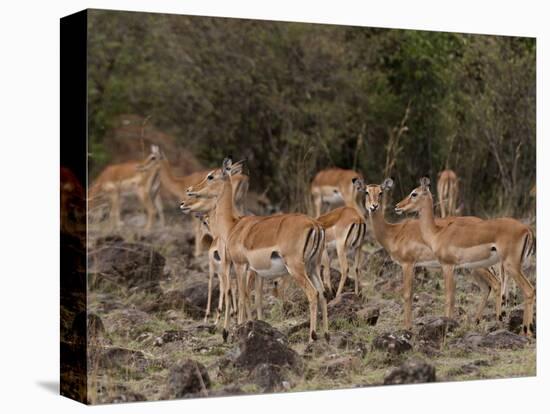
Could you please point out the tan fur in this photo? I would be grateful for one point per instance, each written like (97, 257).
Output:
(447, 191)
(459, 244)
(329, 181)
(403, 242)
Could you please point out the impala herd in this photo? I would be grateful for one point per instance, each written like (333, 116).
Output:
(245, 250)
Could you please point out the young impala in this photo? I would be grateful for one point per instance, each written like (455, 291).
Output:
(130, 177)
(334, 187)
(473, 245)
(403, 242)
(271, 246)
(345, 231)
(447, 191)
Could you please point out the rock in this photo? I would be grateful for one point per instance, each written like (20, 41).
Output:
(503, 339)
(260, 343)
(128, 264)
(411, 372)
(434, 329)
(126, 322)
(197, 294)
(499, 339)
(345, 307)
(339, 367)
(515, 321)
(349, 283)
(393, 343)
(188, 378)
(348, 343)
(170, 336)
(470, 368)
(370, 314)
(117, 394)
(269, 377)
(174, 300)
(118, 357)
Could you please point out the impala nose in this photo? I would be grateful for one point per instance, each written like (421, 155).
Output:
(374, 207)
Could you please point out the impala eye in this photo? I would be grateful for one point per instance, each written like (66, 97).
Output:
(210, 177)
(366, 192)
(413, 195)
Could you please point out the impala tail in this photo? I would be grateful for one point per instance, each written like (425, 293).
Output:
(529, 245)
(314, 245)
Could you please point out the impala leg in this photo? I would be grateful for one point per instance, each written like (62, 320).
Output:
(450, 286)
(326, 271)
(317, 203)
(258, 298)
(528, 292)
(220, 298)
(209, 300)
(149, 206)
(250, 286)
(316, 279)
(226, 268)
(408, 278)
(298, 271)
(197, 233)
(160, 209)
(115, 209)
(240, 273)
(483, 280)
(356, 264)
(441, 204)
(344, 266)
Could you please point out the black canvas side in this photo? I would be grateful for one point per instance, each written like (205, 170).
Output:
(73, 127)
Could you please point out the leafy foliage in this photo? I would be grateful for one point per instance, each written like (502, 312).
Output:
(294, 98)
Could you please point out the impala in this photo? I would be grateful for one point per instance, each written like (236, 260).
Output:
(333, 186)
(178, 185)
(473, 245)
(447, 191)
(204, 208)
(345, 231)
(271, 246)
(405, 245)
(130, 177)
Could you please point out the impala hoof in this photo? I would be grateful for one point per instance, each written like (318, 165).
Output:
(327, 337)
(313, 336)
(225, 334)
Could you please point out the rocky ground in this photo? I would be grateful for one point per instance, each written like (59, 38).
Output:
(147, 339)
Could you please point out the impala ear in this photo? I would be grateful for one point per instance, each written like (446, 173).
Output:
(226, 165)
(358, 183)
(425, 183)
(387, 184)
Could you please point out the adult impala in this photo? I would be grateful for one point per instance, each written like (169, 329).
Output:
(334, 187)
(403, 242)
(447, 191)
(130, 177)
(271, 246)
(204, 209)
(474, 245)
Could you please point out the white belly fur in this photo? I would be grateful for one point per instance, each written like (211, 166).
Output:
(277, 269)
